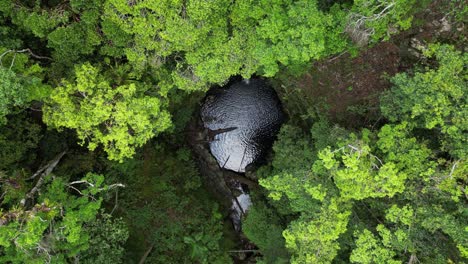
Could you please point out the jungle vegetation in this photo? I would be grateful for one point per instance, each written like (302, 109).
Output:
(95, 96)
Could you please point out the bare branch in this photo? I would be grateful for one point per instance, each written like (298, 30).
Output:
(413, 259)
(82, 194)
(82, 181)
(3, 54)
(245, 250)
(112, 186)
(143, 258)
(29, 51)
(33, 55)
(453, 168)
(50, 167)
(38, 172)
(116, 204)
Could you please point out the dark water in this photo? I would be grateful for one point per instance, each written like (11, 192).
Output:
(242, 118)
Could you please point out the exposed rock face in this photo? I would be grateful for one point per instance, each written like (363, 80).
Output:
(236, 126)
(207, 164)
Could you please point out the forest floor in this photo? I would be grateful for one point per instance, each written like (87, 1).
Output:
(348, 88)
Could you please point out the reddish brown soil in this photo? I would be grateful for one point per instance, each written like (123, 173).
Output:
(348, 89)
(354, 81)
(345, 88)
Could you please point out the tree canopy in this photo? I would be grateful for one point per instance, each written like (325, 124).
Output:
(118, 117)
(415, 194)
(99, 100)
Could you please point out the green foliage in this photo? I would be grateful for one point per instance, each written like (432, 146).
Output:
(20, 82)
(313, 239)
(435, 219)
(107, 236)
(38, 21)
(79, 38)
(372, 20)
(287, 33)
(8, 35)
(53, 229)
(349, 186)
(71, 29)
(453, 180)
(434, 98)
(203, 243)
(395, 194)
(293, 150)
(370, 250)
(403, 233)
(359, 174)
(165, 206)
(458, 10)
(11, 92)
(410, 156)
(263, 227)
(169, 28)
(295, 188)
(17, 140)
(291, 185)
(118, 116)
(257, 36)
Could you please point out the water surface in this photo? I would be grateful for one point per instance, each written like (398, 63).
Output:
(243, 119)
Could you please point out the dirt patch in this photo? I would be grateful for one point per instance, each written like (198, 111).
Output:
(343, 82)
(347, 89)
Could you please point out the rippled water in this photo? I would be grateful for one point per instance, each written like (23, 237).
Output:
(243, 118)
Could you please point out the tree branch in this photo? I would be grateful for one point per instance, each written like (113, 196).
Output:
(33, 55)
(112, 186)
(143, 258)
(453, 168)
(45, 171)
(29, 51)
